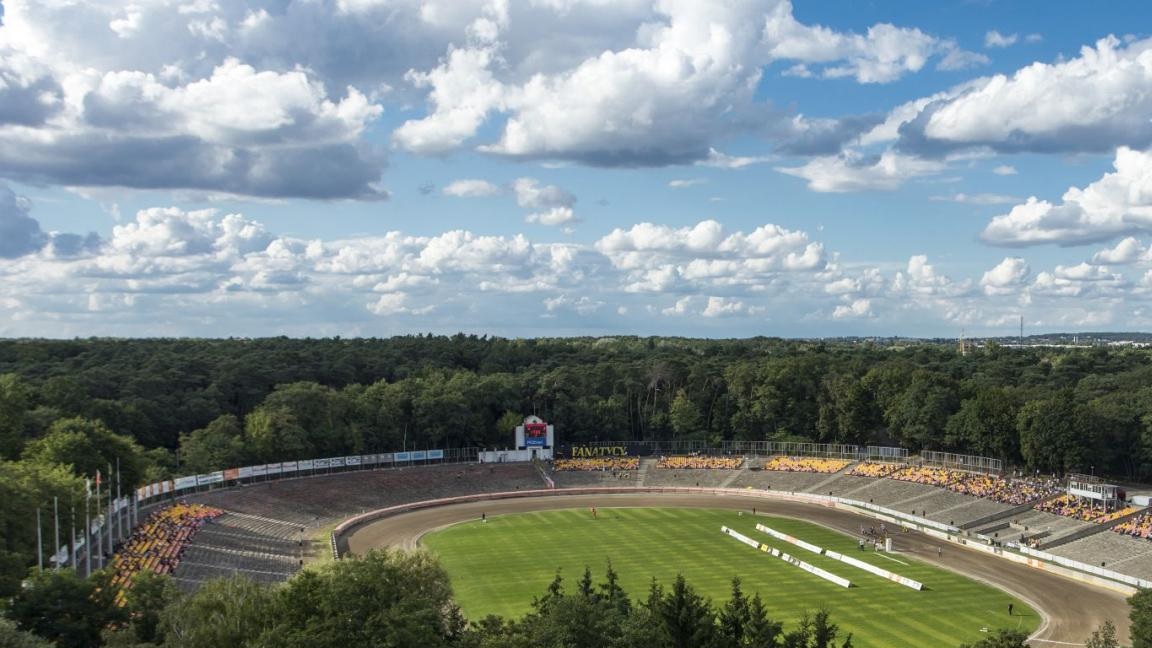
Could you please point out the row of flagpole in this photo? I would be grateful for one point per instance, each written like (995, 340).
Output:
(114, 527)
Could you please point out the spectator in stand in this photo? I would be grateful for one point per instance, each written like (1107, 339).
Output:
(996, 488)
(805, 464)
(870, 469)
(1082, 509)
(1137, 527)
(604, 464)
(698, 462)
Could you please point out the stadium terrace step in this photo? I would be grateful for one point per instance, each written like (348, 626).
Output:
(735, 474)
(998, 516)
(1092, 529)
(832, 479)
(642, 474)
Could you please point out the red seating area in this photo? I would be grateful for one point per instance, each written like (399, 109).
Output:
(158, 543)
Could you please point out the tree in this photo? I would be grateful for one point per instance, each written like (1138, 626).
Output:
(684, 416)
(230, 611)
(761, 632)
(1002, 638)
(88, 446)
(12, 637)
(219, 445)
(147, 598)
(274, 434)
(1103, 637)
(24, 488)
(687, 616)
(66, 609)
(1049, 433)
(1140, 612)
(15, 401)
(986, 425)
(733, 619)
(388, 599)
(918, 416)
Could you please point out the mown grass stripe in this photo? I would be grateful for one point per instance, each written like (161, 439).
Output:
(500, 566)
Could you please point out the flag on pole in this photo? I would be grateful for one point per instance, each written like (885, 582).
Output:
(97, 478)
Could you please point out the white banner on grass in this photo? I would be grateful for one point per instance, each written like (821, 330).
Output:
(789, 539)
(792, 560)
(741, 537)
(873, 569)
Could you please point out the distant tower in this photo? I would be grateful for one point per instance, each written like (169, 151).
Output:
(1021, 330)
(963, 347)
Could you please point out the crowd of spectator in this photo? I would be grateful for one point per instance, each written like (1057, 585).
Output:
(604, 464)
(1082, 509)
(805, 464)
(1137, 527)
(700, 462)
(1006, 490)
(158, 543)
(871, 469)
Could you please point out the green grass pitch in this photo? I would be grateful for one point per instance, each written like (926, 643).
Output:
(498, 567)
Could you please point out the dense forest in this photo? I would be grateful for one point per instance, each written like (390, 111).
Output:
(193, 405)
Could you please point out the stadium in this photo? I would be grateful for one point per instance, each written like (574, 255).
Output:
(955, 536)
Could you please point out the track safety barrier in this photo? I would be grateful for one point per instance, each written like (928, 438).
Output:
(792, 560)
(848, 560)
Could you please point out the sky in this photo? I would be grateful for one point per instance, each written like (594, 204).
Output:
(529, 168)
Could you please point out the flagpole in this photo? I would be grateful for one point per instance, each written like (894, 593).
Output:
(56, 517)
(99, 536)
(39, 543)
(72, 539)
(109, 518)
(88, 532)
(119, 522)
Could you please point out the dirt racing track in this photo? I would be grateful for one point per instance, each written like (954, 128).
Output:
(1071, 609)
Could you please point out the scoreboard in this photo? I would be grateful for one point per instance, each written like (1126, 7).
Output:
(534, 434)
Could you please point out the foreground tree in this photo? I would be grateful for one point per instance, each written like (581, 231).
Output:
(1140, 612)
(1003, 638)
(13, 637)
(66, 609)
(1103, 637)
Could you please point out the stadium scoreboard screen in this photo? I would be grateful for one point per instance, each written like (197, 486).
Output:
(535, 434)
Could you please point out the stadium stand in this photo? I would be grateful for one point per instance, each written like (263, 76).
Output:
(1001, 489)
(158, 544)
(266, 529)
(1126, 554)
(805, 465)
(871, 469)
(699, 462)
(1137, 527)
(1080, 509)
(600, 464)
